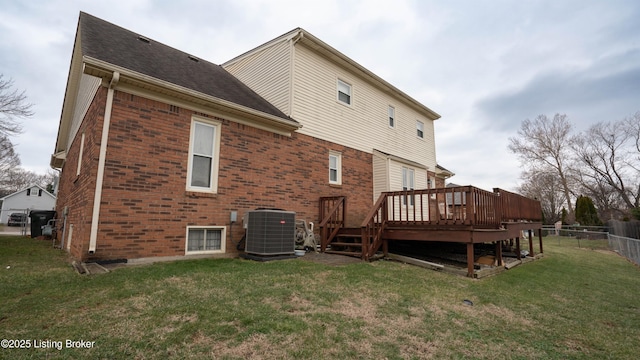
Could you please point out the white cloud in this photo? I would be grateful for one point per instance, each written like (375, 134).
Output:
(484, 65)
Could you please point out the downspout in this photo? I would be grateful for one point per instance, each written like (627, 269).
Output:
(95, 218)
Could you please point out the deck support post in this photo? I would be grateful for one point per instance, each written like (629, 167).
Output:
(540, 238)
(531, 253)
(365, 243)
(518, 256)
(470, 259)
(498, 252)
(385, 247)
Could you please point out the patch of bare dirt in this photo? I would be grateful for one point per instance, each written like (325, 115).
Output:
(330, 259)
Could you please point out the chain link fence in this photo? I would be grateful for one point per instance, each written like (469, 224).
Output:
(598, 237)
(627, 247)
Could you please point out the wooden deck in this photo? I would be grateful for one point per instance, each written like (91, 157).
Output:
(462, 214)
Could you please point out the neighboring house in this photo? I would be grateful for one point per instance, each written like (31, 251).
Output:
(158, 147)
(33, 197)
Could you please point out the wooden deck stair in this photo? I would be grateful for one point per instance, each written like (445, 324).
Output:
(348, 242)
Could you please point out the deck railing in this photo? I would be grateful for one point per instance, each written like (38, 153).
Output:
(333, 211)
(373, 226)
(444, 208)
(459, 205)
(516, 207)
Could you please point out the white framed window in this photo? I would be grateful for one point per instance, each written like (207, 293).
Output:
(420, 129)
(392, 117)
(344, 92)
(408, 184)
(205, 239)
(335, 168)
(80, 155)
(204, 151)
(34, 192)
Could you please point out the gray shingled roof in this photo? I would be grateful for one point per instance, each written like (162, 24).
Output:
(118, 46)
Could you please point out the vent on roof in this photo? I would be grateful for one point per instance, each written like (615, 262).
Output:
(194, 58)
(144, 39)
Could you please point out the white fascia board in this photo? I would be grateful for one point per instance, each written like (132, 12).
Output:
(270, 122)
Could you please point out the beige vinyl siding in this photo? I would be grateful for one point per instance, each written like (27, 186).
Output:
(267, 73)
(380, 175)
(87, 91)
(364, 124)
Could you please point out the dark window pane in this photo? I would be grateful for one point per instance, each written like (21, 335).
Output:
(201, 171)
(344, 98)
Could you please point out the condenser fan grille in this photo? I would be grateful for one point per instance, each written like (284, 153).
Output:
(270, 232)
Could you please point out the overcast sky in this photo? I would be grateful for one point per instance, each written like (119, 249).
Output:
(484, 66)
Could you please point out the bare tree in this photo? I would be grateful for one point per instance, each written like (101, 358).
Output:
(13, 106)
(19, 178)
(632, 126)
(545, 143)
(544, 185)
(605, 198)
(8, 157)
(9, 162)
(49, 180)
(609, 155)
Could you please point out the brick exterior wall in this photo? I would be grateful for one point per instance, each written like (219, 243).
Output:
(440, 182)
(145, 207)
(75, 192)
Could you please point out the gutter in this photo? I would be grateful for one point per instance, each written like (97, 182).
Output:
(97, 199)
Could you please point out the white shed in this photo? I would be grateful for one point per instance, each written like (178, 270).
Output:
(32, 198)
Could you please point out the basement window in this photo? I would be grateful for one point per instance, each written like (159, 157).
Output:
(205, 240)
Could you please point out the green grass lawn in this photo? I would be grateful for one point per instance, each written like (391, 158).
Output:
(576, 302)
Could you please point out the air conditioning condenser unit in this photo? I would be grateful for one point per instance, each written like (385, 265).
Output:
(270, 232)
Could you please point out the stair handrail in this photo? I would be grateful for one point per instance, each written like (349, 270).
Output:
(334, 219)
(373, 226)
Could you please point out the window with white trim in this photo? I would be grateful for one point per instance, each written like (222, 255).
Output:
(204, 146)
(408, 184)
(34, 192)
(420, 129)
(335, 168)
(392, 117)
(205, 239)
(80, 155)
(344, 92)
